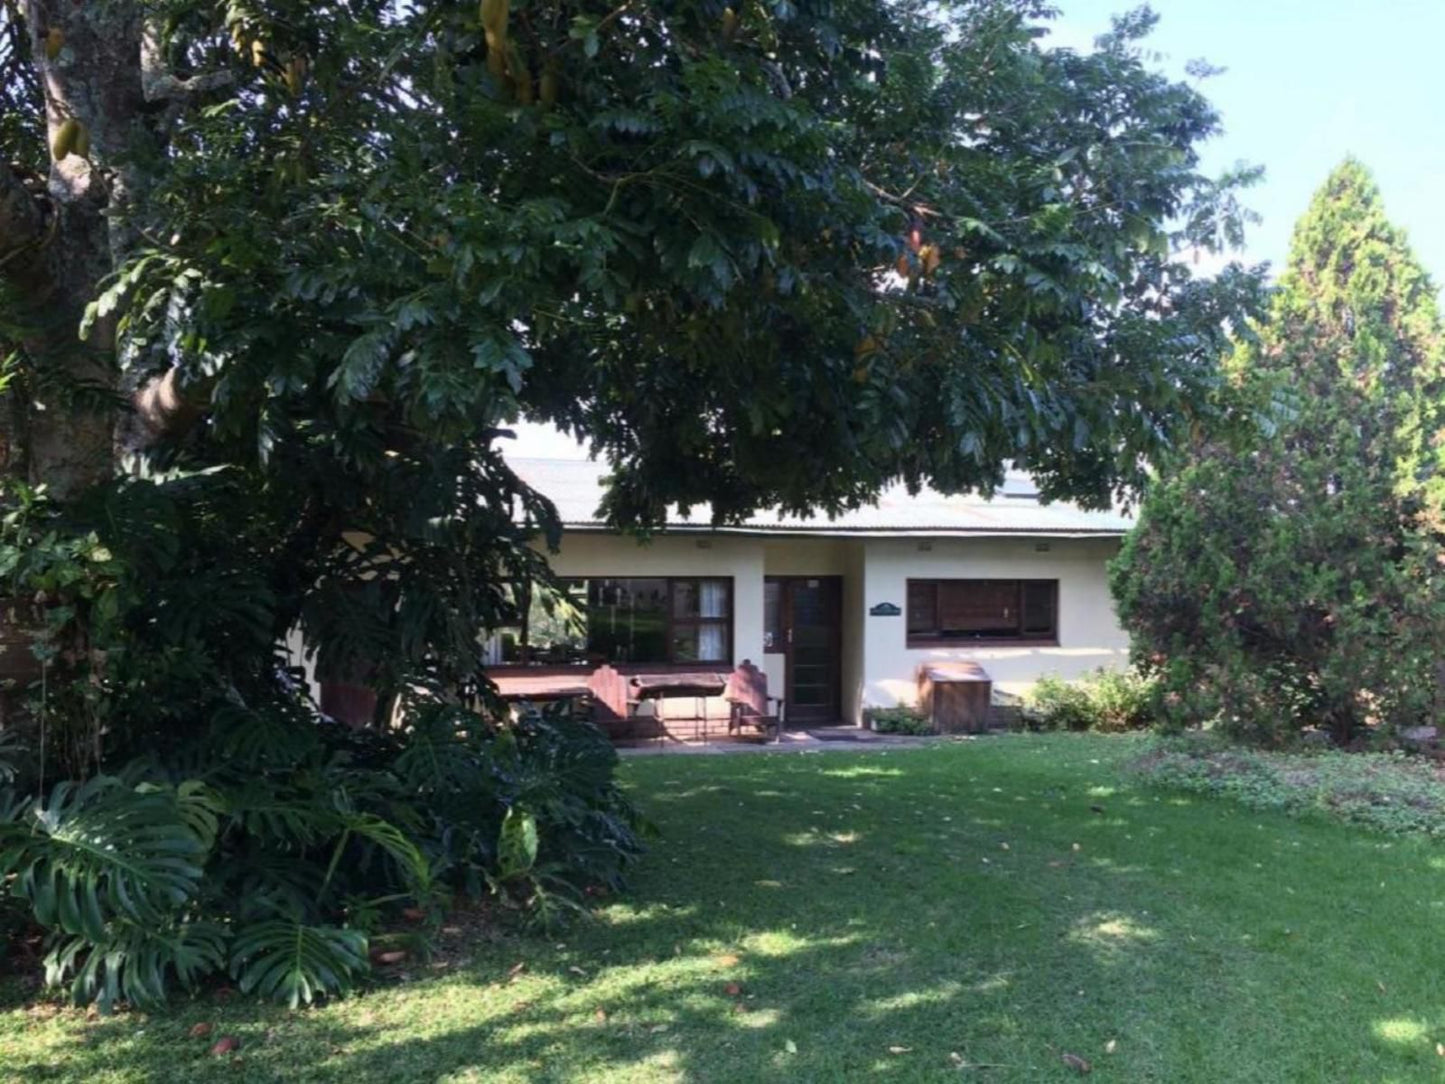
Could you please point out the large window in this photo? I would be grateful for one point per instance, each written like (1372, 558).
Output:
(953, 611)
(623, 620)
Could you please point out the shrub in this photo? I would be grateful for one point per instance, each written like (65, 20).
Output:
(273, 851)
(1109, 700)
(1293, 582)
(900, 719)
(207, 818)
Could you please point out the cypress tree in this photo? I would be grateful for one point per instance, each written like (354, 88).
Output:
(1298, 582)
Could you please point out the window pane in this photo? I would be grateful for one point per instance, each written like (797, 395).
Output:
(627, 620)
(685, 600)
(699, 598)
(772, 616)
(713, 598)
(979, 608)
(923, 606)
(1040, 607)
(983, 609)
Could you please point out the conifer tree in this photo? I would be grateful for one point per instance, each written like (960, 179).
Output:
(1299, 582)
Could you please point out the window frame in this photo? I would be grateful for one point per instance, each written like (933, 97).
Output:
(728, 623)
(1023, 639)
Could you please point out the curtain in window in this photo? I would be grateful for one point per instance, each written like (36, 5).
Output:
(711, 643)
(713, 600)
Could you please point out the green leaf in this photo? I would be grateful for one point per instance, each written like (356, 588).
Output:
(136, 965)
(295, 963)
(101, 851)
(517, 843)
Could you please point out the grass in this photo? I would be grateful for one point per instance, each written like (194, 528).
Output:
(966, 912)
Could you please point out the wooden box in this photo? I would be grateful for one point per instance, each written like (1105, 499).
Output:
(955, 696)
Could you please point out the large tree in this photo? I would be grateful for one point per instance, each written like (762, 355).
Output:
(1301, 581)
(277, 274)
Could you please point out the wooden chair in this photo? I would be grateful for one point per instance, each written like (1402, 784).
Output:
(612, 703)
(749, 703)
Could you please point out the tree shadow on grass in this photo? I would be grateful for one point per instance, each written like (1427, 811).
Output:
(801, 920)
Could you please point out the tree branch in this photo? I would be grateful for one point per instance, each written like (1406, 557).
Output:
(159, 83)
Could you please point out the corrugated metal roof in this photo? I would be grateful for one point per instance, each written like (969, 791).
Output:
(575, 487)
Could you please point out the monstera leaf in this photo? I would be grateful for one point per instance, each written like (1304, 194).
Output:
(292, 962)
(101, 851)
(135, 965)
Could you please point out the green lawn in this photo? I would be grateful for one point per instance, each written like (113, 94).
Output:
(904, 915)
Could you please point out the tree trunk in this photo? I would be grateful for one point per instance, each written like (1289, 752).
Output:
(61, 235)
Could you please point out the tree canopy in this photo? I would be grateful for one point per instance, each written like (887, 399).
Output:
(1298, 582)
(275, 277)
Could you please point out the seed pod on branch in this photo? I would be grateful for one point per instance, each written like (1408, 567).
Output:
(494, 29)
(68, 138)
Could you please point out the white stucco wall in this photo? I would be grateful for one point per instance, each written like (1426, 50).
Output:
(1089, 633)
(878, 668)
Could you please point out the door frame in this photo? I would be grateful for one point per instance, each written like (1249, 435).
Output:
(785, 616)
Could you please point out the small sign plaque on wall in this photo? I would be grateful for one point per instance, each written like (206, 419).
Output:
(885, 609)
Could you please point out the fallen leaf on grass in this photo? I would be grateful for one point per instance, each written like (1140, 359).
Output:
(200, 1031)
(516, 970)
(413, 914)
(1381, 985)
(956, 1058)
(1111, 1046)
(739, 1006)
(657, 1028)
(900, 1049)
(225, 1045)
(600, 1016)
(1076, 1063)
(732, 989)
(1078, 847)
(1440, 1050)
(726, 960)
(790, 1046)
(386, 959)
(577, 971)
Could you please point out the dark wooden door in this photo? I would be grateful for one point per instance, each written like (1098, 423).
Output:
(812, 642)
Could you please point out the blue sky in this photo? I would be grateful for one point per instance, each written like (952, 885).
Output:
(1308, 82)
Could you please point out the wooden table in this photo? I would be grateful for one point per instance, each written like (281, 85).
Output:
(540, 688)
(700, 684)
(659, 685)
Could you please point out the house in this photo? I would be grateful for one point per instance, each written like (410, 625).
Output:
(840, 613)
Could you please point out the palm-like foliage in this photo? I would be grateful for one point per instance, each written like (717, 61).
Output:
(99, 852)
(136, 965)
(292, 962)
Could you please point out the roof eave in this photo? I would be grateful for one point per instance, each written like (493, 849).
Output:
(867, 532)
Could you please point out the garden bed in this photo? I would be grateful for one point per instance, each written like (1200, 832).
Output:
(1391, 791)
